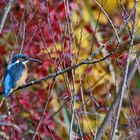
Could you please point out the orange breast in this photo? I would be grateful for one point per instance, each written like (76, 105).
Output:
(21, 81)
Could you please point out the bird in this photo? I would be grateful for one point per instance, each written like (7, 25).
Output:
(16, 73)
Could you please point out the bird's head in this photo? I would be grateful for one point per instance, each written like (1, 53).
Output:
(23, 58)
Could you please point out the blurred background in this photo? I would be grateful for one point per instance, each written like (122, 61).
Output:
(62, 33)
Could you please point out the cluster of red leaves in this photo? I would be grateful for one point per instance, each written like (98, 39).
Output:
(38, 26)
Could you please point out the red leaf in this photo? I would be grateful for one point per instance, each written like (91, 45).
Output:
(88, 28)
(2, 50)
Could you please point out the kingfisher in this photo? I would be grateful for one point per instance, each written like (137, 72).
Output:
(16, 73)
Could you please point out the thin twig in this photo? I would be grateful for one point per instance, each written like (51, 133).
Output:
(44, 111)
(73, 91)
(116, 101)
(12, 125)
(59, 72)
(85, 61)
(124, 85)
(133, 67)
(7, 9)
(115, 31)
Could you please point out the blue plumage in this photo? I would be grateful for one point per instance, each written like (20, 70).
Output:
(12, 74)
(16, 73)
(17, 56)
(7, 85)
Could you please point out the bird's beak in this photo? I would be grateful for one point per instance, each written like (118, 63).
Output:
(35, 60)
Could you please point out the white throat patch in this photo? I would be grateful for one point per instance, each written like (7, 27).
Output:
(25, 62)
(17, 61)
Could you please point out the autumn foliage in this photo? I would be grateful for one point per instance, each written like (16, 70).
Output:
(62, 34)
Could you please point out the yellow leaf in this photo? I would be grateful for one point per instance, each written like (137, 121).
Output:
(110, 5)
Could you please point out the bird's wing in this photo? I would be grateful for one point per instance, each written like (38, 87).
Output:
(12, 74)
(7, 84)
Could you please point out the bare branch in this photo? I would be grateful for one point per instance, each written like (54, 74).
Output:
(85, 61)
(44, 111)
(7, 9)
(120, 92)
(133, 67)
(11, 125)
(115, 31)
(124, 85)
